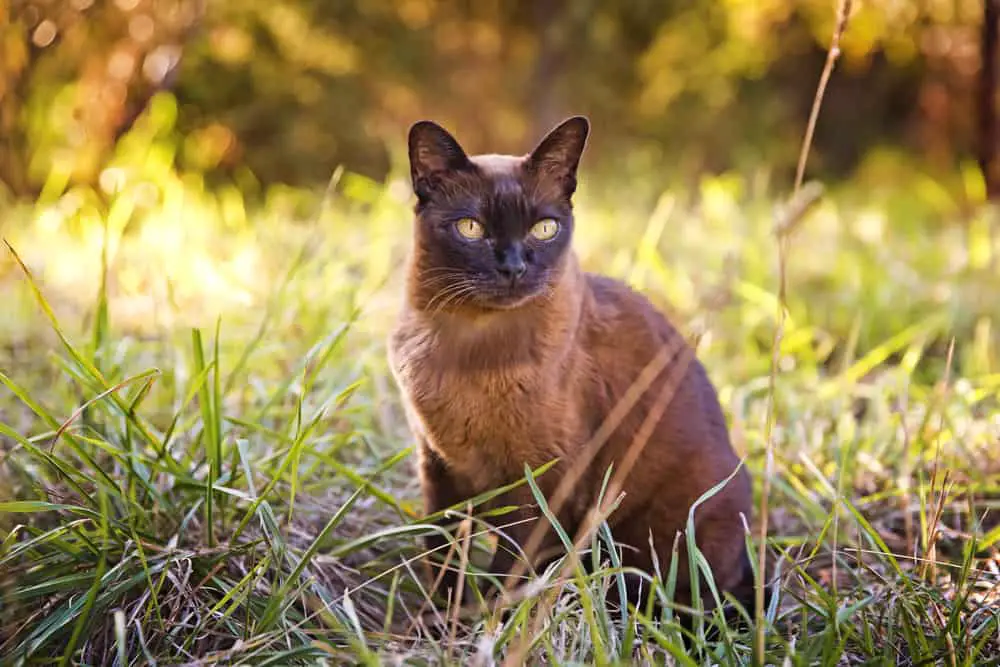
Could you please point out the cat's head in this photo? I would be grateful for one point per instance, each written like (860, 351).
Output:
(492, 231)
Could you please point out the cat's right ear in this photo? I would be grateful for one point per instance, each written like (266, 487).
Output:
(433, 153)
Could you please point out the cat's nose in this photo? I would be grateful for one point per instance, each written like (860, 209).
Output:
(512, 266)
(512, 271)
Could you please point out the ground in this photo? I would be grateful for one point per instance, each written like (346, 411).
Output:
(202, 455)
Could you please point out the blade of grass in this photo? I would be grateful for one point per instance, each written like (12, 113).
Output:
(83, 620)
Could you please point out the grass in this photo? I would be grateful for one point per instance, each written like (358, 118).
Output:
(203, 459)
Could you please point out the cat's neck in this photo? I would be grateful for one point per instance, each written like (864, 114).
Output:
(540, 331)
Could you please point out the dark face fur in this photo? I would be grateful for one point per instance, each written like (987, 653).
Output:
(492, 231)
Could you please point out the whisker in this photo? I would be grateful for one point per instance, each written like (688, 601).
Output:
(454, 295)
(460, 297)
(434, 280)
(445, 294)
(440, 270)
(443, 275)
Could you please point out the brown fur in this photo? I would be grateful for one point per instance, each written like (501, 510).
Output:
(490, 389)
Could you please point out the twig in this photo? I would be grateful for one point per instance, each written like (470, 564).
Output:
(602, 508)
(843, 13)
(583, 459)
(794, 212)
(929, 569)
(465, 534)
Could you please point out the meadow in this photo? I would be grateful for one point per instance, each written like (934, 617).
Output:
(203, 459)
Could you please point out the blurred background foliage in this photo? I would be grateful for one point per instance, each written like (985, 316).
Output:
(239, 166)
(284, 91)
(176, 155)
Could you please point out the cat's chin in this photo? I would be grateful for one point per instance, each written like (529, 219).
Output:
(508, 305)
(507, 301)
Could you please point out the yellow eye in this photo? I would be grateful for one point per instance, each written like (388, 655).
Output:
(469, 228)
(545, 229)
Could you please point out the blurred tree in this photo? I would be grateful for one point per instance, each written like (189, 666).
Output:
(76, 75)
(14, 62)
(289, 89)
(987, 107)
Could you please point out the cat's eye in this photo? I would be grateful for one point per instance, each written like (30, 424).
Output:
(470, 229)
(544, 230)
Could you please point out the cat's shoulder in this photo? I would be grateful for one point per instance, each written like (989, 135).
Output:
(607, 289)
(617, 295)
(615, 305)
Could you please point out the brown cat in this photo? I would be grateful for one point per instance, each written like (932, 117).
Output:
(508, 354)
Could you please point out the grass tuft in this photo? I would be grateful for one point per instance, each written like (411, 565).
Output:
(204, 462)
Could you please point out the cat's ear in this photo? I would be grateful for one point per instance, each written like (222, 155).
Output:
(557, 156)
(433, 152)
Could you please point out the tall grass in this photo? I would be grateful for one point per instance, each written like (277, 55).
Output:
(202, 457)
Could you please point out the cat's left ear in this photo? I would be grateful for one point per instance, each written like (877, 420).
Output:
(558, 154)
(433, 153)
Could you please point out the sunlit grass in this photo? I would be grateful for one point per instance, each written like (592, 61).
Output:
(215, 465)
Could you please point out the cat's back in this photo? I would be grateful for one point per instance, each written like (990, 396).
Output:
(623, 319)
(624, 332)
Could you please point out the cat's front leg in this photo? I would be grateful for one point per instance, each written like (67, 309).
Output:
(518, 531)
(441, 489)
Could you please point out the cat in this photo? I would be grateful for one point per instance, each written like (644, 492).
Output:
(508, 354)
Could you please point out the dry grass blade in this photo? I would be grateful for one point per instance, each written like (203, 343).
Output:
(881, 478)
(784, 227)
(583, 459)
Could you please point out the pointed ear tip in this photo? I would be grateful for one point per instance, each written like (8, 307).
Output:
(581, 122)
(422, 126)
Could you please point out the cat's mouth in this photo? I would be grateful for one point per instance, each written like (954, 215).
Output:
(484, 295)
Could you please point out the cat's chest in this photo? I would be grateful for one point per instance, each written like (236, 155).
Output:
(477, 410)
(486, 424)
